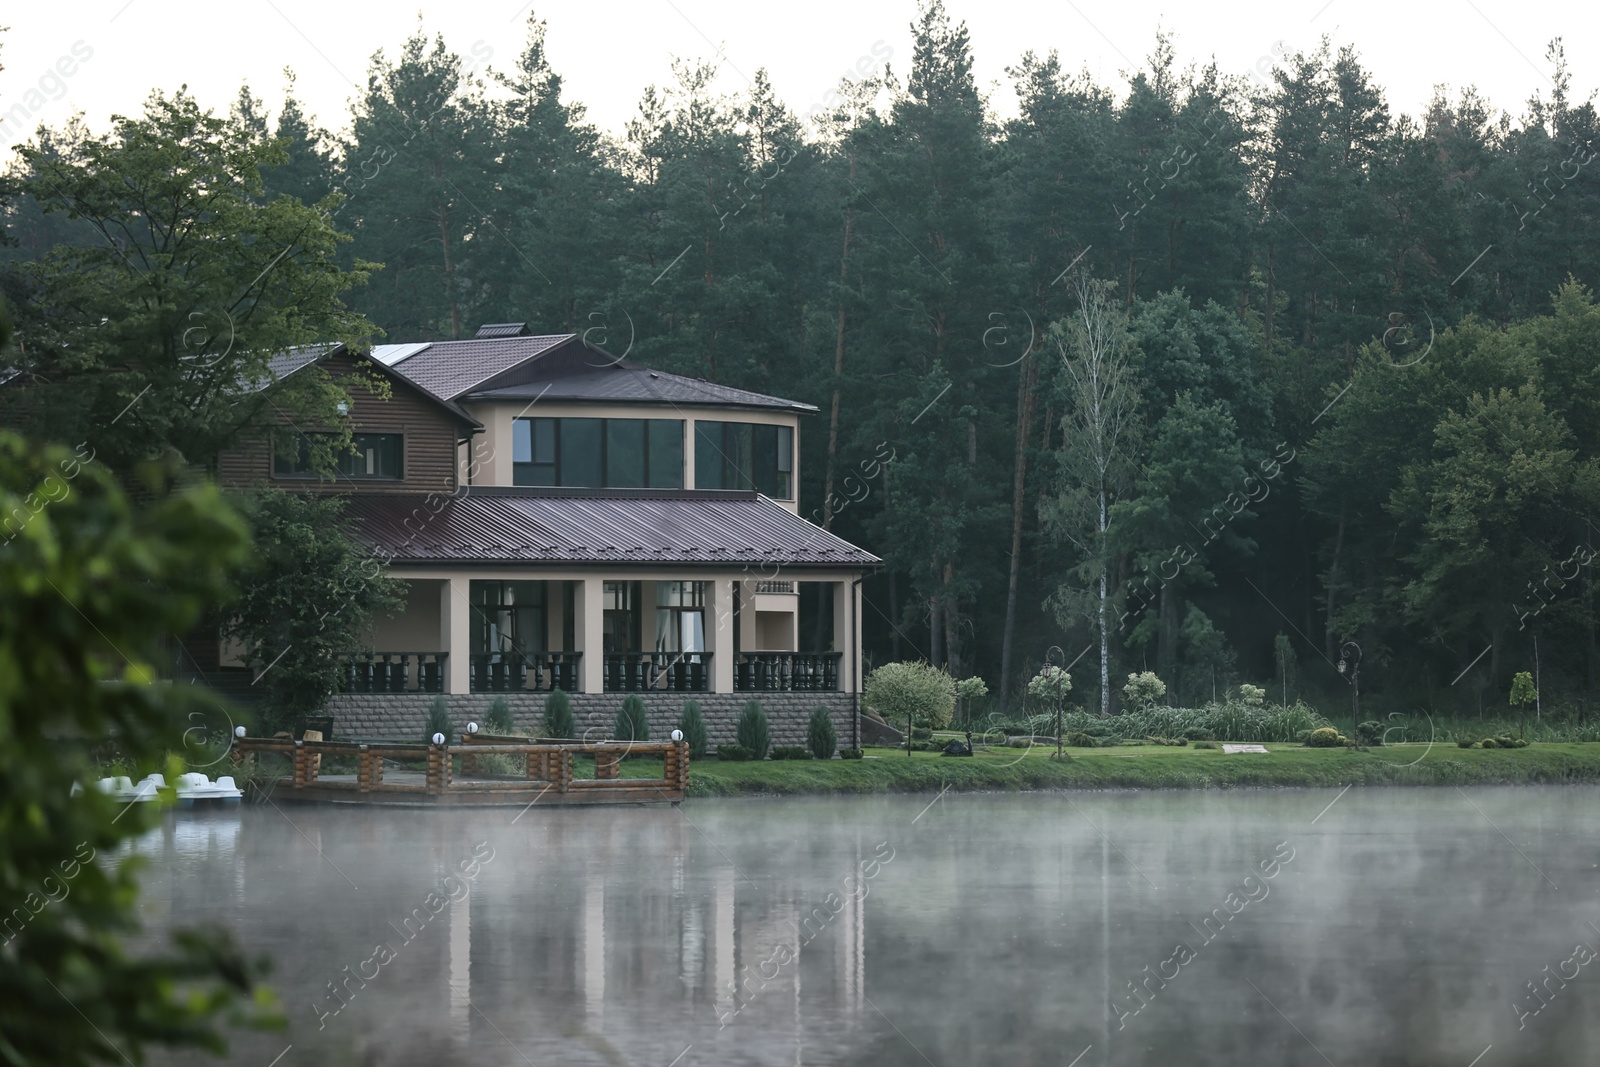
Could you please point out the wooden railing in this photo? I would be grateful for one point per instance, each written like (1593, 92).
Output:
(391, 672)
(515, 672)
(680, 671)
(546, 771)
(787, 671)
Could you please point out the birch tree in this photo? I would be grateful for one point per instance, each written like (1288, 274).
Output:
(1096, 457)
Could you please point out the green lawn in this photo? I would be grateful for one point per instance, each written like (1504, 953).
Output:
(1147, 766)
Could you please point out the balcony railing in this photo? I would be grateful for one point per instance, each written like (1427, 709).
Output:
(519, 672)
(683, 671)
(787, 671)
(776, 586)
(395, 672)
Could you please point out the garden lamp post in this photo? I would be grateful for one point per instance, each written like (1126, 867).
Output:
(1350, 667)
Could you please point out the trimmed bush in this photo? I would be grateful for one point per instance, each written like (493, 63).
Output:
(734, 753)
(1370, 733)
(790, 752)
(1464, 743)
(1489, 742)
(693, 725)
(498, 718)
(851, 753)
(819, 734)
(921, 733)
(1143, 690)
(558, 721)
(632, 725)
(438, 720)
(1079, 739)
(1206, 744)
(1324, 737)
(752, 730)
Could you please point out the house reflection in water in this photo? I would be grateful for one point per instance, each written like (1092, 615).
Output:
(590, 936)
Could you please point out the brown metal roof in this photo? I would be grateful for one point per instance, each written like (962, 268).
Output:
(629, 383)
(591, 526)
(451, 368)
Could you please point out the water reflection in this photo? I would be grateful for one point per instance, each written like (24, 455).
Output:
(989, 930)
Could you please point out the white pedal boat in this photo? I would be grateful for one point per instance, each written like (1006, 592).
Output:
(191, 787)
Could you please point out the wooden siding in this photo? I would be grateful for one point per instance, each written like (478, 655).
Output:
(428, 451)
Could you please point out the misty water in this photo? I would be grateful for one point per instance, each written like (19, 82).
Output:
(1394, 927)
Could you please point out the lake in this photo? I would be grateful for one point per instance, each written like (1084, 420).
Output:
(1396, 926)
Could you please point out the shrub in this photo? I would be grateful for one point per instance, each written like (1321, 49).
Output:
(1522, 742)
(1325, 737)
(1144, 690)
(438, 720)
(1504, 742)
(558, 722)
(1253, 695)
(921, 733)
(498, 718)
(632, 724)
(820, 735)
(1051, 684)
(1370, 733)
(851, 753)
(734, 753)
(1488, 742)
(790, 752)
(1079, 739)
(900, 691)
(1206, 744)
(1464, 743)
(1198, 733)
(752, 730)
(693, 725)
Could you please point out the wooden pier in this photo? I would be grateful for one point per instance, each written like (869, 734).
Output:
(547, 777)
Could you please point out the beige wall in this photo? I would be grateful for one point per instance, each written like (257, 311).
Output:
(491, 450)
(416, 628)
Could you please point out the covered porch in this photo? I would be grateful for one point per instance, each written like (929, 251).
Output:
(521, 629)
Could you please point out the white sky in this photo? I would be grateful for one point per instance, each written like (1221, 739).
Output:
(608, 50)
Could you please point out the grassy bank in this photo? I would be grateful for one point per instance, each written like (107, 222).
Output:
(1151, 767)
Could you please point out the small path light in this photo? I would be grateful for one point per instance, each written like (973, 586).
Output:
(677, 735)
(238, 731)
(472, 727)
(438, 739)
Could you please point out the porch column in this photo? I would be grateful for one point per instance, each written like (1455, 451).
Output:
(588, 627)
(455, 632)
(721, 608)
(748, 640)
(647, 616)
(844, 635)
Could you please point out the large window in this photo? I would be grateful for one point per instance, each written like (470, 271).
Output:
(744, 455)
(508, 617)
(621, 621)
(377, 457)
(598, 453)
(680, 617)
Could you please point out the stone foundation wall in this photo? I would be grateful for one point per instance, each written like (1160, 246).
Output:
(403, 716)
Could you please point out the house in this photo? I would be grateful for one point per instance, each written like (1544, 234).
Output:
(567, 519)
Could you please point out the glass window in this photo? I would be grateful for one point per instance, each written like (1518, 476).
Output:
(579, 452)
(377, 457)
(508, 617)
(621, 621)
(666, 454)
(591, 453)
(625, 455)
(680, 617)
(743, 455)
